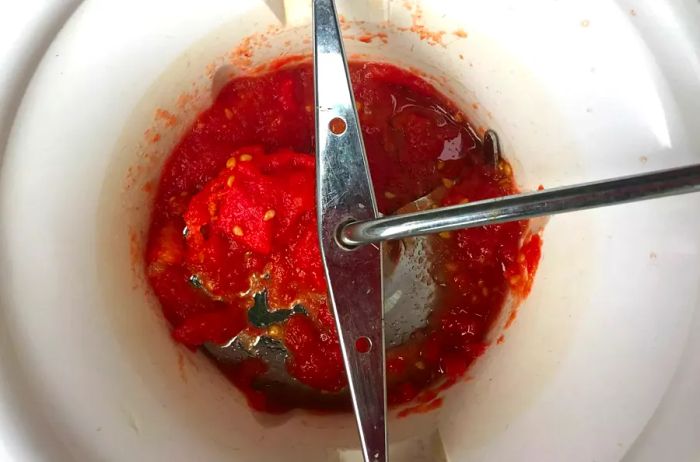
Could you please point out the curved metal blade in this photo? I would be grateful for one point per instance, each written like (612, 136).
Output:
(344, 192)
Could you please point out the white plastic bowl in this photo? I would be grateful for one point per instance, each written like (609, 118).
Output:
(577, 91)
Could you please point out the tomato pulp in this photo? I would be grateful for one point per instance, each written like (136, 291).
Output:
(233, 234)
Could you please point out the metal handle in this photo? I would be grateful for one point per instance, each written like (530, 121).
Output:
(661, 183)
(344, 192)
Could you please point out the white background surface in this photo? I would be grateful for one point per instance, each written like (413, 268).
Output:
(26, 29)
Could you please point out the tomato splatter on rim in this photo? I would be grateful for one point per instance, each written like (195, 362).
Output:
(234, 232)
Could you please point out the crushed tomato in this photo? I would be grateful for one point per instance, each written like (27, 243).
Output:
(234, 216)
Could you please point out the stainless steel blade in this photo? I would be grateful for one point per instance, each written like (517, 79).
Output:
(344, 193)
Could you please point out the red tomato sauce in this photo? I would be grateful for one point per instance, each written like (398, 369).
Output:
(234, 216)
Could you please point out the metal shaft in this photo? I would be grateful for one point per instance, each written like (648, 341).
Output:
(523, 206)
